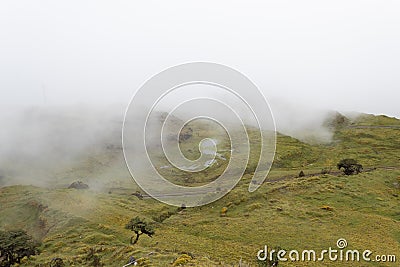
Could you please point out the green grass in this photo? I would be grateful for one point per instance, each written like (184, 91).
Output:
(364, 208)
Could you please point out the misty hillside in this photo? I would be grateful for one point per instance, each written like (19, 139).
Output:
(56, 150)
(48, 147)
(199, 133)
(57, 146)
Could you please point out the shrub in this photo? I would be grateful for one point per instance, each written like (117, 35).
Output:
(350, 166)
(16, 245)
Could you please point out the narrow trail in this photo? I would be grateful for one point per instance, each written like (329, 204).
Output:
(274, 180)
(334, 173)
(373, 127)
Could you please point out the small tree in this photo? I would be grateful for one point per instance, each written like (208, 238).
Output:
(14, 246)
(350, 166)
(139, 227)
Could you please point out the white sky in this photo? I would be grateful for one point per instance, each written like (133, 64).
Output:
(342, 55)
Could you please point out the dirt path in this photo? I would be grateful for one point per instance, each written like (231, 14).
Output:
(282, 178)
(334, 173)
(373, 127)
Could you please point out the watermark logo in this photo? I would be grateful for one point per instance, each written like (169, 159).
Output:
(141, 135)
(340, 253)
(341, 243)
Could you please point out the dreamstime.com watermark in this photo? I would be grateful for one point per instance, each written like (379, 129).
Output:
(338, 253)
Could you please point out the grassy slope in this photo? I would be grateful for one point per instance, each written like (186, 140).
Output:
(286, 213)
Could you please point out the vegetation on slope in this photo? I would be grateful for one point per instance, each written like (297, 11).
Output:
(87, 226)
